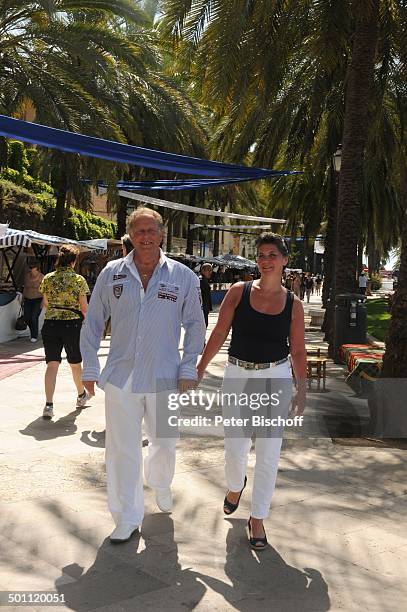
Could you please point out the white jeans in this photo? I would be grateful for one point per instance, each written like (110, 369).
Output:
(124, 414)
(267, 448)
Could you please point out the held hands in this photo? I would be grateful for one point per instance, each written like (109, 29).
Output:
(89, 386)
(185, 384)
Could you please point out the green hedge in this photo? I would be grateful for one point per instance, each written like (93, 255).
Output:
(25, 180)
(24, 209)
(376, 282)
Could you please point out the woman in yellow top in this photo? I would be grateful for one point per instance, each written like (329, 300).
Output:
(64, 297)
(32, 297)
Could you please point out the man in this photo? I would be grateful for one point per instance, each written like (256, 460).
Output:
(148, 298)
(309, 286)
(206, 273)
(362, 283)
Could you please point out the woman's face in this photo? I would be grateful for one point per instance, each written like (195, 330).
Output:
(33, 269)
(270, 261)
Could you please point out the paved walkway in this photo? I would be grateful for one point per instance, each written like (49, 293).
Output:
(337, 528)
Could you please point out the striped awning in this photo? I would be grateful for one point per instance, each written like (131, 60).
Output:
(14, 238)
(28, 237)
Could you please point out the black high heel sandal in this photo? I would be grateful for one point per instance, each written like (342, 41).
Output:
(232, 507)
(256, 543)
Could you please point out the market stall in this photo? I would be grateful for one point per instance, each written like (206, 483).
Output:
(227, 269)
(15, 247)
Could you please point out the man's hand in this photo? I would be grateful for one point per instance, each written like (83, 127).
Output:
(185, 384)
(89, 386)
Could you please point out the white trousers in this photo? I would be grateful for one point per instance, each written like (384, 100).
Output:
(267, 448)
(124, 461)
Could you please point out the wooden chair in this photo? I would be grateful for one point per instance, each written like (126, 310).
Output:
(314, 358)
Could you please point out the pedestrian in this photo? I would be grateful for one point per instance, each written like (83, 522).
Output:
(32, 297)
(267, 324)
(302, 285)
(64, 297)
(206, 273)
(318, 283)
(362, 283)
(148, 297)
(127, 245)
(296, 285)
(309, 285)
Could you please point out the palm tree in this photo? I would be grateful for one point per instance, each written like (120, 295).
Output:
(289, 80)
(359, 88)
(93, 67)
(59, 56)
(395, 357)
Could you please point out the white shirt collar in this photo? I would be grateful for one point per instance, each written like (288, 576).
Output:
(129, 259)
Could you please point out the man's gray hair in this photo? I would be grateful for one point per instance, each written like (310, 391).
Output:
(143, 210)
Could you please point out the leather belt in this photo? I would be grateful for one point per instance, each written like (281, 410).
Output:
(248, 365)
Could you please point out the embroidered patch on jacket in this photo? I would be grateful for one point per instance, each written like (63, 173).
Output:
(167, 296)
(117, 290)
(119, 276)
(168, 291)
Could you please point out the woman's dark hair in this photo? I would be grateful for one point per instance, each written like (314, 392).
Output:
(270, 238)
(127, 243)
(33, 263)
(67, 254)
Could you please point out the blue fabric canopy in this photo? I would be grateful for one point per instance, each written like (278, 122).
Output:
(118, 152)
(183, 184)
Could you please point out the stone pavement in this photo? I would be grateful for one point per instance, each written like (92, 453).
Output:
(337, 527)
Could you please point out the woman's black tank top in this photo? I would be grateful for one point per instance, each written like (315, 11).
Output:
(259, 337)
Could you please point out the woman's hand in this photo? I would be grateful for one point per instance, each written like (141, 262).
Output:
(201, 371)
(298, 403)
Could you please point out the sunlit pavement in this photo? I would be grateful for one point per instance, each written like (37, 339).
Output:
(337, 528)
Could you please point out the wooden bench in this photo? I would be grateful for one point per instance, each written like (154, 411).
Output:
(317, 316)
(314, 358)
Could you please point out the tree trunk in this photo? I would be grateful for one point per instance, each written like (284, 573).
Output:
(170, 230)
(190, 234)
(121, 214)
(395, 357)
(216, 237)
(3, 153)
(360, 255)
(330, 238)
(359, 80)
(329, 255)
(61, 193)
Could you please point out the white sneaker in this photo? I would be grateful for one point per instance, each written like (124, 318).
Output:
(163, 497)
(122, 533)
(48, 412)
(34, 339)
(82, 401)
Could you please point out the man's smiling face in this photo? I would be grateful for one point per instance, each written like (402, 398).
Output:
(145, 234)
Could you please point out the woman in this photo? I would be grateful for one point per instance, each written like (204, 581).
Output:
(296, 285)
(32, 297)
(267, 325)
(64, 297)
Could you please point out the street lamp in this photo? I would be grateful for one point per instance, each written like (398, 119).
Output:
(337, 157)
